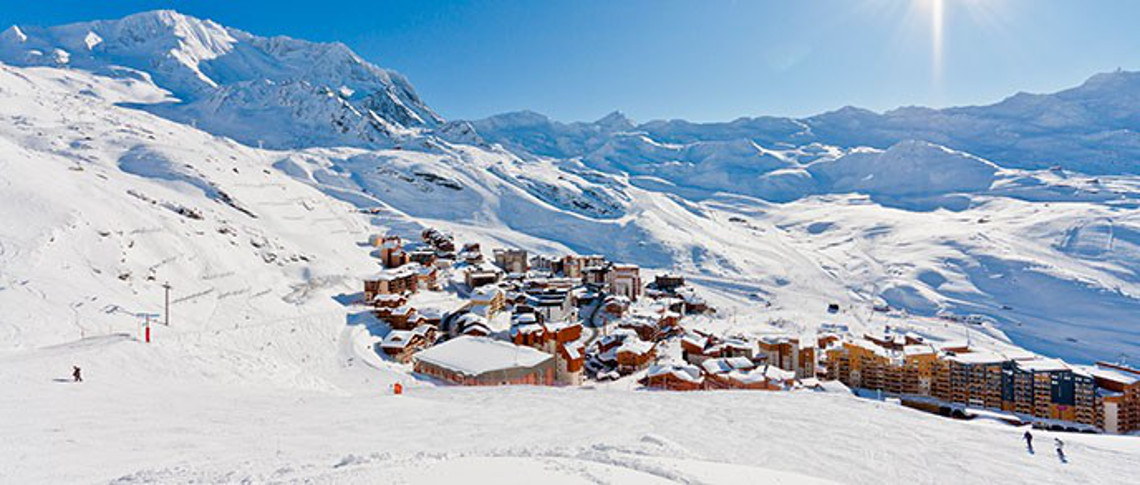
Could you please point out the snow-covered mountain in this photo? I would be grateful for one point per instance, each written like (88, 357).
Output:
(293, 92)
(129, 158)
(1093, 128)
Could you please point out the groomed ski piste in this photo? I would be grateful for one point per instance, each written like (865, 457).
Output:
(267, 372)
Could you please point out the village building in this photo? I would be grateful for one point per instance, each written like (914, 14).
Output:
(693, 347)
(431, 316)
(399, 318)
(765, 378)
(441, 242)
(389, 300)
(667, 283)
(391, 252)
(480, 361)
(574, 266)
(472, 324)
(615, 306)
(427, 277)
(1120, 396)
(512, 260)
(479, 275)
(487, 301)
(633, 355)
(624, 280)
(595, 276)
(677, 377)
(402, 344)
(570, 361)
(554, 304)
(716, 371)
(392, 281)
(652, 326)
(732, 347)
(472, 253)
(423, 257)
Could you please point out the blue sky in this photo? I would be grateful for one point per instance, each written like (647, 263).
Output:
(700, 60)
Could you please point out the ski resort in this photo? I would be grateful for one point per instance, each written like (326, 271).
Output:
(237, 256)
(575, 320)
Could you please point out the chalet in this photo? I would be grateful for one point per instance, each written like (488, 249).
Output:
(512, 260)
(391, 252)
(766, 378)
(472, 324)
(527, 331)
(423, 257)
(479, 275)
(427, 277)
(487, 300)
(399, 318)
(681, 377)
(624, 280)
(716, 371)
(442, 243)
(391, 281)
(667, 283)
(732, 347)
(480, 361)
(693, 304)
(402, 344)
(634, 354)
(693, 347)
(471, 253)
(644, 325)
(431, 316)
(615, 306)
(389, 300)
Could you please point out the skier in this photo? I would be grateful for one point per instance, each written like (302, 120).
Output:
(76, 374)
(1060, 448)
(1028, 440)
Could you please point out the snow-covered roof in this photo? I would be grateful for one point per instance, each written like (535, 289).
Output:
(396, 339)
(473, 356)
(1043, 365)
(387, 297)
(919, 349)
(761, 374)
(1113, 375)
(695, 340)
(470, 319)
(524, 318)
(635, 345)
(680, 371)
(982, 357)
(486, 293)
(723, 365)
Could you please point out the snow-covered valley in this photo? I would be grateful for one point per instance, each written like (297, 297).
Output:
(130, 158)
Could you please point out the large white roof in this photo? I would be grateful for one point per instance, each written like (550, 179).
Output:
(478, 355)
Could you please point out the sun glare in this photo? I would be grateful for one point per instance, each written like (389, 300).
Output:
(937, 23)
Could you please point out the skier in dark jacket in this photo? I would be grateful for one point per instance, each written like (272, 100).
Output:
(1060, 448)
(1028, 440)
(76, 373)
